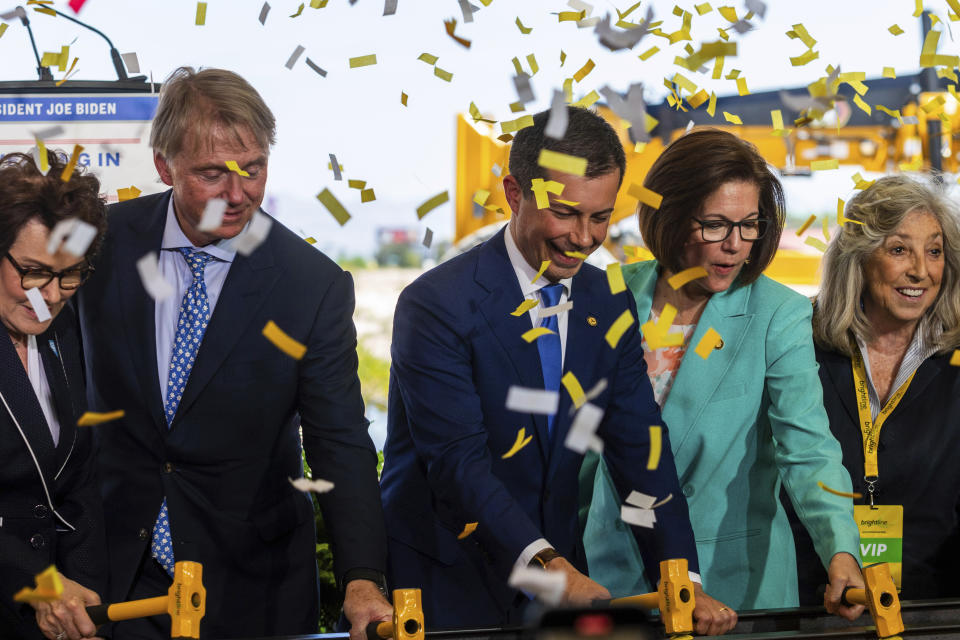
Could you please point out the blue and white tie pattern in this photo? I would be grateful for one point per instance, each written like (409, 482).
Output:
(191, 324)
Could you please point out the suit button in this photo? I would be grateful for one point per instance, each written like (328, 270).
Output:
(688, 490)
(41, 511)
(143, 534)
(168, 467)
(37, 541)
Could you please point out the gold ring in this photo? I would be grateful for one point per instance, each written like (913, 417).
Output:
(723, 609)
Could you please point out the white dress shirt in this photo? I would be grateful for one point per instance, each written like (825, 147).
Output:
(175, 270)
(38, 380)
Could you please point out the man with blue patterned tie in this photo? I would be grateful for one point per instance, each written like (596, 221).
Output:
(199, 467)
(461, 515)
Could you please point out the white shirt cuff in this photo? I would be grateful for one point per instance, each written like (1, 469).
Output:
(531, 550)
(695, 577)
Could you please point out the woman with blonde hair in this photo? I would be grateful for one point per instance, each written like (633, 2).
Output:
(886, 323)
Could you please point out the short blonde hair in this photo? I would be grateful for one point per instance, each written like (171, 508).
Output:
(205, 99)
(881, 208)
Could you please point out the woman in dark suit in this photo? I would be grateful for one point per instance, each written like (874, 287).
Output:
(50, 510)
(886, 324)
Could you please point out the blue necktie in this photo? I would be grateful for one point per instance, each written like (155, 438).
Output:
(191, 324)
(551, 354)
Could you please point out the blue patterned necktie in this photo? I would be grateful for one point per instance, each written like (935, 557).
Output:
(551, 354)
(191, 324)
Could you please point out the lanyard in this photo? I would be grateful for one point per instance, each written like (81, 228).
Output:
(869, 429)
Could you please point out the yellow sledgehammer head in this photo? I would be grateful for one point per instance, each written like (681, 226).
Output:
(676, 596)
(881, 599)
(186, 600)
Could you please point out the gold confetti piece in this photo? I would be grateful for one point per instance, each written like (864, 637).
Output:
(806, 225)
(698, 98)
(432, 203)
(562, 162)
(895, 29)
(233, 166)
(677, 280)
(816, 243)
(955, 358)
(572, 385)
(684, 83)
(451, 25)
(72, 163)
(318, 4)
(429, 58)
(723, 34)
(842, 494)
(710, 340)
(91, 418)
(646, 55)
(826, 228)
(468, 528)
(615, 278)
(299, 11)
(825, 165)
(282, 341)
(522, 440)
(656, 444)
(363, 61)
(893, 113)
(128, 194)
(201, 14)
(310, 240)
(644, 195)
(857, 100)
(734, 74)
(512, 126)
(656, 333)
(777, 118)
(524, 30)
(524, 307)
(536, 332)
(729, 13)
(3, 28)
(859, 182)
(333, 205)
(742, 87)
(541, 188)
(637, 253)
(588, 100)
(543, 268)
(49, 587)
(732, 118)
(703, 9)
(481, 196)
(403, 98)
(563, 57)
(584, 70)
(570, 16)
(809, 56)
(569, 203)
(712, 107)
(575, 254)
(443, 74)
(718, 67)
(367, 195)
(534, 67)
(618, 328)
(356, 184)
(918, 8)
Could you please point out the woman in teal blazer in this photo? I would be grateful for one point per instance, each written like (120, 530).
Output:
(750, 414)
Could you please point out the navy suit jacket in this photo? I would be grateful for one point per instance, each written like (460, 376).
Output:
(50, 510)
(456, 351)
(224, 462)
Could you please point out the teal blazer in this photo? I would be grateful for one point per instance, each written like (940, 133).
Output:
(741, 422)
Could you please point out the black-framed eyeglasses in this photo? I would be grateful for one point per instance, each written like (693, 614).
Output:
(31, 277)
(719, 230)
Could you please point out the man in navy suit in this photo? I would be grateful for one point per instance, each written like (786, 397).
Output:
(199, 468)
(460, 515)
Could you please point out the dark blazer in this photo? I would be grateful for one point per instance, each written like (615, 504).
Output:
(456, 351)
(50, 510)
(224, 463)
(917, 456)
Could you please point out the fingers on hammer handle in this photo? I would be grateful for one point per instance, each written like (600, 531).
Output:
(98, 613)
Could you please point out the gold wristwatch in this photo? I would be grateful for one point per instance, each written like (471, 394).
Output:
(543, 557)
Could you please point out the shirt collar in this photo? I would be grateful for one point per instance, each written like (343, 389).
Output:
(526, 273)
(174, 238)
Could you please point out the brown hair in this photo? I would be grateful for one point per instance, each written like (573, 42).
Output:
(881, 208)
(687, 172)
(206, 99)
(26, 194)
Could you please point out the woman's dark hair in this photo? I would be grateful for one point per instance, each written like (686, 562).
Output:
(688, 171)
(26, 194)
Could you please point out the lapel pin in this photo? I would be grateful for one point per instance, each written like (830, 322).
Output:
(719, 344)
(591, 321)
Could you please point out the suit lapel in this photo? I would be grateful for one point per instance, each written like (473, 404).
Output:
(22, 401)
(249, 282)
(838, 370)
(144, 235)
(496, 275)
(54, 368)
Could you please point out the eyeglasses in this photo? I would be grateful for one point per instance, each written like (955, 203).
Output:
(39, 278)
(720, 230)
